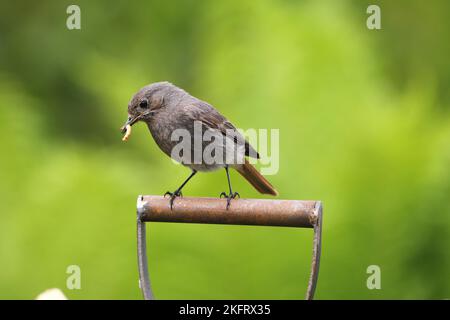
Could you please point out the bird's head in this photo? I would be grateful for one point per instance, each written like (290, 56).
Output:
(146, 102)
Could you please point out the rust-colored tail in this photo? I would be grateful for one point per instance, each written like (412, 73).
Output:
(256, 179)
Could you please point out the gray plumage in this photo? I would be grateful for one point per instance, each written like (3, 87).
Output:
(172, 108)
(170, 111)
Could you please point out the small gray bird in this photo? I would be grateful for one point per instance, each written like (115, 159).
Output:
(171, 113)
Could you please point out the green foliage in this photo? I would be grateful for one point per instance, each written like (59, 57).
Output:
(364, 127)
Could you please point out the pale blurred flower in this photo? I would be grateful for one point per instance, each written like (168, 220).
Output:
(51, 294)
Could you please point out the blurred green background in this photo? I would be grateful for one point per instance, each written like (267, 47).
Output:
(364, 126)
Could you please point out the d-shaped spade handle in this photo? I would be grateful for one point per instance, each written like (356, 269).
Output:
(256, 212)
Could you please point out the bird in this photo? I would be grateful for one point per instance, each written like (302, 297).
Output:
(171, 113)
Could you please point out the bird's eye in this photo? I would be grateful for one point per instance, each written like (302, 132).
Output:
(143, 104)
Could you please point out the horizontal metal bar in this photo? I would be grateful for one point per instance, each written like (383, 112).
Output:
(261, 212)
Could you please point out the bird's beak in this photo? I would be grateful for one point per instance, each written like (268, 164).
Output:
(130, 121)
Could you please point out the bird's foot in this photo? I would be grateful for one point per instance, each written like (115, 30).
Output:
(229, 197)
(173, 195)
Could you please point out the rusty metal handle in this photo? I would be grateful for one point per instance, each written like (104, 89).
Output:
(144, 278)
(281, 213)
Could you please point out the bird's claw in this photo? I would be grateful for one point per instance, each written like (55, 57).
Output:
(229, 197)
(176, 193)
(173, 195)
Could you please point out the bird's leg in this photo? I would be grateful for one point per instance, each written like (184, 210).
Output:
(231, 195)
(177, 193)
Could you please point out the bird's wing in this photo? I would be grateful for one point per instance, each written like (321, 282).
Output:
(211, 118)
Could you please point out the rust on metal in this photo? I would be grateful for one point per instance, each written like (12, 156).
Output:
(262, 212)
(317, 248)
(258, 212)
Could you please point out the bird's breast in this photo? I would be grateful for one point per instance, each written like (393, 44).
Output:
(193, 146)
